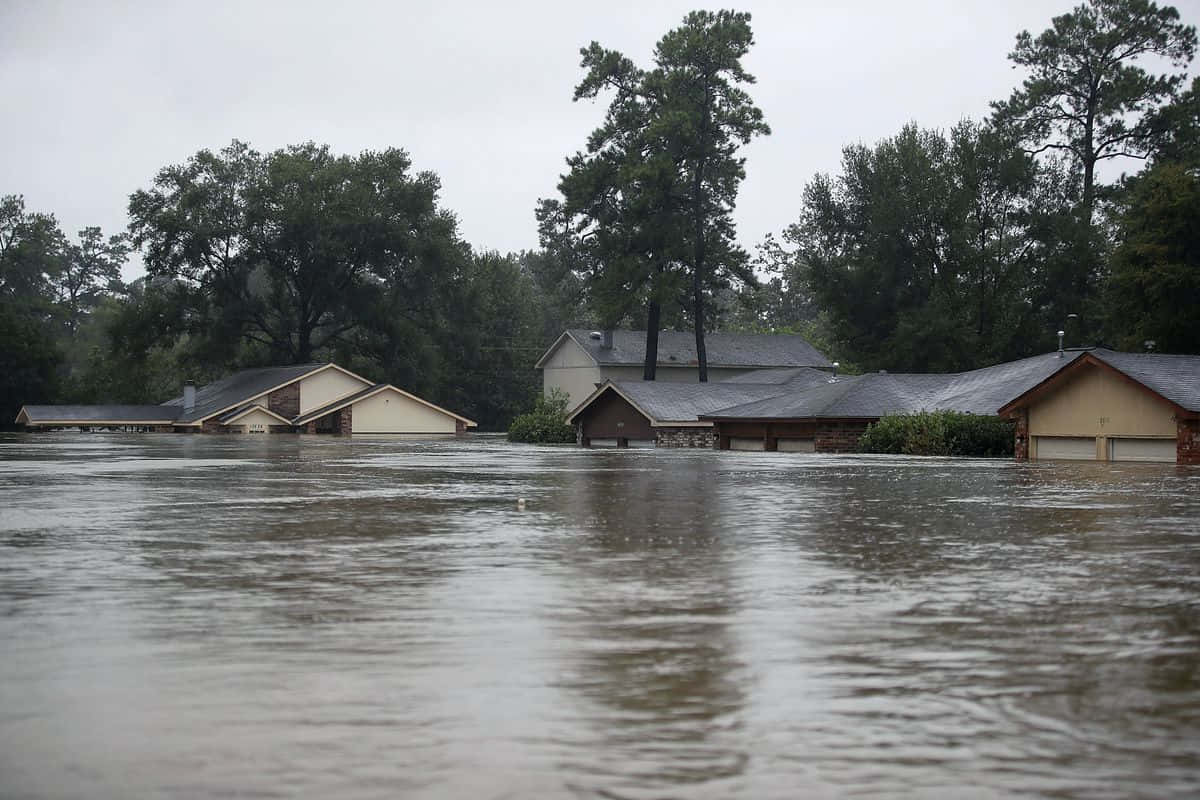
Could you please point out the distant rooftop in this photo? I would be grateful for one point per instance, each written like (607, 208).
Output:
(678, 349)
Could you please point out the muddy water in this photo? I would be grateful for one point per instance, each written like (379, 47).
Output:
(280, 617)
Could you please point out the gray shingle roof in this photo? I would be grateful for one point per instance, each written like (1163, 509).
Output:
(677, 348)
(792, 376)
(112, 413)
(239, 388)
(1176, 378)
(980, 391)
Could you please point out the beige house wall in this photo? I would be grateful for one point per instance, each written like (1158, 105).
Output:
(571, 369)
(1100, 405)
(392, 412)
(325, 387)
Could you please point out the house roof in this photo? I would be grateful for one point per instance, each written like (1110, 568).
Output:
(678, 349)
(236, 389)
(1175, 378)
(870, 396)
(97, 414)
(349, 399)
(792, 376)
(241, 411)
(669, 401)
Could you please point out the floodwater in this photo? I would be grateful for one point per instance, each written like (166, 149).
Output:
(283, 616)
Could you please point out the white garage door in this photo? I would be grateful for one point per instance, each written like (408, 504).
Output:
(1143, 450)
(797, 446)
(1068, 448)
(736, 443)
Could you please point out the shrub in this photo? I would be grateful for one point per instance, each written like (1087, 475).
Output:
(546, 423)
(939, 433)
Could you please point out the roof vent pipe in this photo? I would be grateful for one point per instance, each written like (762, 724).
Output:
(607, 342)
(189, 395)
(1061, 334)
(835, 368)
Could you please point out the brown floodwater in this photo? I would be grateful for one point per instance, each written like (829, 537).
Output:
(282, 616)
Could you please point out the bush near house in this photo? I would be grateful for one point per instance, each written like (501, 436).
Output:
(939, 433)
(546, 424)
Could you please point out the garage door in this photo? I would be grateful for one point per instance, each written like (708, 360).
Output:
(1070, 448)
(1143, 450)
(642, 443)
(737, 443)
(796, 446)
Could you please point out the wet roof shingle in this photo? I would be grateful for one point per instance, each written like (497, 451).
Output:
(1175, 377)
(110, 413)
(239, 388)
(678, 348)
(980, 391)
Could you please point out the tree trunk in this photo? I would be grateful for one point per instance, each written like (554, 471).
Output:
(698, 311)
(653, 315)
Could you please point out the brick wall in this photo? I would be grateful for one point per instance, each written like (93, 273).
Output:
(838, 437)
(685, 437)
(1187, 441)
(343, 421)
(1021, 436)
(285, 401)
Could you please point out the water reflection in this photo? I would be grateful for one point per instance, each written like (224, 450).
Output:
(648, 634)
(207, 616)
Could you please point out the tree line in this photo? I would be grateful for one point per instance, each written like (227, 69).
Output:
(930, 250)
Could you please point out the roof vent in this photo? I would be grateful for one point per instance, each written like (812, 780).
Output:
(597, 335)
(883, 372)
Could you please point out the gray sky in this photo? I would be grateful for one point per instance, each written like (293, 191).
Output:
(99, 96)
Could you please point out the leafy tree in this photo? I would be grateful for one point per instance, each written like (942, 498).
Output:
(650, 203)
(89, 269)
(1085, 93)
(292, 250)
(1154, 289)
(924, 253)
(31, 253)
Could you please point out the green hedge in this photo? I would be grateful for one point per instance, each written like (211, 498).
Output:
(546, 424)
(939, 433)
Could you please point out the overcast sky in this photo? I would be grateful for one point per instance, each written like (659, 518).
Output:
(99, 96)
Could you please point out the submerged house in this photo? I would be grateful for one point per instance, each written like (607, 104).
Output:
(307, 398)
(1090, 403)
(579, 360)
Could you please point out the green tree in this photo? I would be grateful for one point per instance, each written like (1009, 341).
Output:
(293, 250)
(1086, 94)
(31, 255)
(89, 270)
(650, 202)
(924, 253)
(1154, 289)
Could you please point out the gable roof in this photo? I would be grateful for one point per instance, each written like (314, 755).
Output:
(1175, 378)
(870, 396)
(236, 389)
(85, 415)
(342, 402)
(665, 402)
(238, 413)
(678, 349)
